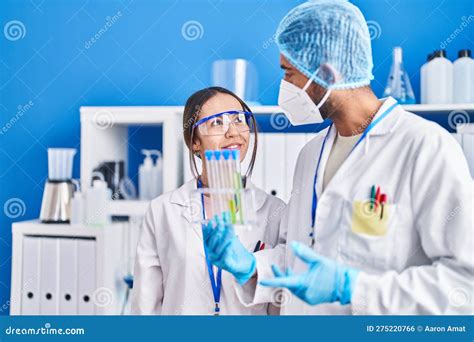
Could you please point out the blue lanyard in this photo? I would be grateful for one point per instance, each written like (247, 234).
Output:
(215, 283)
(315, 196)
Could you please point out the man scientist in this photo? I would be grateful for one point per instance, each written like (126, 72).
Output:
(381, 217)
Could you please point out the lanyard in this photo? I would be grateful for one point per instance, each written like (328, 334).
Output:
(215, 283)
(315, 196)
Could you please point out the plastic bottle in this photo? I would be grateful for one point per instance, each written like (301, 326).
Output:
(96, 200)
(398, 83)
(463, 89)
(77, 205)
(157, 178)
(423, 84)
(146, 177)
(77, 208)
(439, 79)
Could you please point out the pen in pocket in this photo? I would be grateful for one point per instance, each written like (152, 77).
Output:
(383, 200)
(257, 247)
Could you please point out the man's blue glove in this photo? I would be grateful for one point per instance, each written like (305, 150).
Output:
(325, 281)
(226, 251)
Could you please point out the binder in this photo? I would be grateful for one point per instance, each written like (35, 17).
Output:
(68, 276)
(466, 131)
(49, 303)
(86, 276)
(458, 137)
(30, 292)
(294, 142)
(187, 174)
(468, 148)
(274, 160)
(258, 175)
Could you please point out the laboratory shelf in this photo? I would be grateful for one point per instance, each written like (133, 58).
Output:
(104, 137)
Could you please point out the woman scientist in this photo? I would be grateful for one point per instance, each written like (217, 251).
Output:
(172, 273)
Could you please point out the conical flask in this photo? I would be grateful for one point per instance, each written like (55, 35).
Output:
(398, 83)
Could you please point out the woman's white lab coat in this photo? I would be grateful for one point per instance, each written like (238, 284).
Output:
(423, 262)
(171, 276)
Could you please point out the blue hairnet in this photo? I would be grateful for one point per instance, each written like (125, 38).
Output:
(328, 31)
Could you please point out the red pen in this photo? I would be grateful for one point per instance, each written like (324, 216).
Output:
(262, 246)
(377, 197)
(383, 200)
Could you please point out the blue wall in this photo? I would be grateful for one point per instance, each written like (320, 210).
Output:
(143, 59)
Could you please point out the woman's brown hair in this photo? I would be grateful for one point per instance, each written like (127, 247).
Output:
(192, 109)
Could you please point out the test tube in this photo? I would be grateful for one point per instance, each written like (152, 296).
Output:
(229, 184)
(238, 184)
(219, 181)
(210, 164)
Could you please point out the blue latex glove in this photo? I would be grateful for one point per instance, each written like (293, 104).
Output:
(226, 251)
(325, 281)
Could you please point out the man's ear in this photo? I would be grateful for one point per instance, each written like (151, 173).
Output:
(329, 74)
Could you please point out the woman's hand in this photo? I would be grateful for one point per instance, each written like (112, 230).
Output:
(226, 251)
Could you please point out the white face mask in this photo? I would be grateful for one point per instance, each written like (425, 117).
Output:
(298, 106)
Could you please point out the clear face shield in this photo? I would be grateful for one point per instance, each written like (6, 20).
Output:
(220, 123)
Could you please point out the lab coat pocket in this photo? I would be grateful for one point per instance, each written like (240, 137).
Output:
(370, 220)
(369, 235)
(249, 236)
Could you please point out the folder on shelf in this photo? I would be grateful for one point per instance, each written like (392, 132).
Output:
(86, 276)
(30, 292)
(68, 276)
(49, 303)
(258, 174)
(274, 159)
(294, 142)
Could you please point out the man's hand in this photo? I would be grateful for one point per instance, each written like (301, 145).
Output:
(325, 281)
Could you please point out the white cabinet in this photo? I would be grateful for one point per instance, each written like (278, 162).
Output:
(67, 270)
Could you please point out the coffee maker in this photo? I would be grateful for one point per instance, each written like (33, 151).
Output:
(59, 188)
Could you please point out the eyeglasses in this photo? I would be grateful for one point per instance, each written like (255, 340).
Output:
(219, 124)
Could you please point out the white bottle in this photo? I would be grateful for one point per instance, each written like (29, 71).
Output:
(145, 177)
(439, 79)
(463, 90)
(157, 182)
(96, 202)
(423, 80)
(77, 208)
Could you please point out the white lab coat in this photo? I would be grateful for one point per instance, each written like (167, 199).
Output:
(424, 264)
(171, 276)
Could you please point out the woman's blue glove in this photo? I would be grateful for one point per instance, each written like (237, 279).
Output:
(226, 251)
(325, 281)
